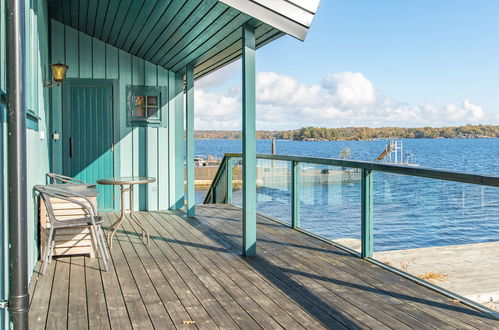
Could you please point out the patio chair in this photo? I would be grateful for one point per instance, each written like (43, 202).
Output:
(91, 219)
(59, 178)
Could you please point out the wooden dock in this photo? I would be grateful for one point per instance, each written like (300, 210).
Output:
(192, 276)
(470, 270)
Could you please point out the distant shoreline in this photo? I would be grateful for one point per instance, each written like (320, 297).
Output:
(362, 133)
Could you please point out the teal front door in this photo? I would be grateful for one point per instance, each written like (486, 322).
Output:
(88, 134)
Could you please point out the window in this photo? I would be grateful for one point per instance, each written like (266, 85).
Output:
(145, 106)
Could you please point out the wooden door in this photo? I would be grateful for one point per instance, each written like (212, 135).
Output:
(88, 134)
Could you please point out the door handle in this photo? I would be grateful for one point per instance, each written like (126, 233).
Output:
(71, 147)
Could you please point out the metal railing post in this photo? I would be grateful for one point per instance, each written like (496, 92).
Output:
(228, 172)
(295, 194)
(367, 214)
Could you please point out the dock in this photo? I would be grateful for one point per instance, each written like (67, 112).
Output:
(470, 270)
(193, 276)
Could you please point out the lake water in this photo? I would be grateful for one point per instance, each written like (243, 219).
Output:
(408, 212)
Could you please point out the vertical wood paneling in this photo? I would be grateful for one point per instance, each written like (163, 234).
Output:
(98, 59)
(72, 52)
(112, 62)
(126, 140)
(151, 79)
(58, 55)
(139, 135)
(37, 151)
(138, 151)
(112, 72)
(85, 55)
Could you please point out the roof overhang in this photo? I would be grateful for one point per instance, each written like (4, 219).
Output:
(293, 17)
(175, 33)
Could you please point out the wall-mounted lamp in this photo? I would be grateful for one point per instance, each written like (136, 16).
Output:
(58, 73)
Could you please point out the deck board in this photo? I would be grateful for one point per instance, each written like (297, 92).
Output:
(193, 271)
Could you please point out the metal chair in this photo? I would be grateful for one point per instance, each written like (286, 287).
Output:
(59, 178)
(91, 219)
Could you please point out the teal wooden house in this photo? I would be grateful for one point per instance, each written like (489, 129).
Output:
(125, 108)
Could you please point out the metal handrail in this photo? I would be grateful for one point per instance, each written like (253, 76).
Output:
(486, 180)
(210, 195)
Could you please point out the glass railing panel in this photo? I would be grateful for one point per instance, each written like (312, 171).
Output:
(330, 203)
(273, 188)
(237, 182)
(441, 231)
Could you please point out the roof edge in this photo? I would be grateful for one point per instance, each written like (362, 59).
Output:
(286, 16)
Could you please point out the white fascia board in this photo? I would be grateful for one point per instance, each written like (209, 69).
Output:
(267, 16)
(309, 5)
(288, 10)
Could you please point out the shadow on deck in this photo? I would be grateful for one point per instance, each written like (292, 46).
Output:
(192, 275)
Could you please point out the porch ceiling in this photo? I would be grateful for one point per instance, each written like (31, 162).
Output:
(168, 33)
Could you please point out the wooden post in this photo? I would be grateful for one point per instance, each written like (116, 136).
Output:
(189, 120)
(295, 194)
(367, 214)
(228, 171)
(249, 141)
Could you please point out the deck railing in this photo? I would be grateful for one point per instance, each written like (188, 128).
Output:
(221, 188)
(297, 176)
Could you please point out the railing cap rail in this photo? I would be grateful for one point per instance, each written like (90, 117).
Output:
(423, 172)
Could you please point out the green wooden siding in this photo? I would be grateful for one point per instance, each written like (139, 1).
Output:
(172, 34)
(37, 100)
(151, 151)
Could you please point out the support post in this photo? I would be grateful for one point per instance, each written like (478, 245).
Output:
(249, 141)
(16, 88)
(228, 172)
(189, 120)
(295, 194)
(367, 214)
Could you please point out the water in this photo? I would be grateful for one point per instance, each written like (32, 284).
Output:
(409, 212)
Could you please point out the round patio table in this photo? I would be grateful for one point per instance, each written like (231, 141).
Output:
(126, 184)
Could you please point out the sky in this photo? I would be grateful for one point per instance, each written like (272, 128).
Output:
(370, 63)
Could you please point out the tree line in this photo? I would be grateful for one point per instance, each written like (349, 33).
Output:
(362, 133)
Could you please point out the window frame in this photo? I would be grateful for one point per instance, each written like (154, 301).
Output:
(158, 121)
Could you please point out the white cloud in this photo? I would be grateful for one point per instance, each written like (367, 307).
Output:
(220, 76)
(340, 99)
(351, 89)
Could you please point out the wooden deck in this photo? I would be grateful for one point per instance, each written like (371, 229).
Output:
(192, 272)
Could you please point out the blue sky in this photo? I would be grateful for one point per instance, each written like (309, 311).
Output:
(435, 58)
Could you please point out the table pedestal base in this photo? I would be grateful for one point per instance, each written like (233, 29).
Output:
(114, 227)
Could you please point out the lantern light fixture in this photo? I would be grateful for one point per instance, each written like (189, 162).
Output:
(58, 73)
